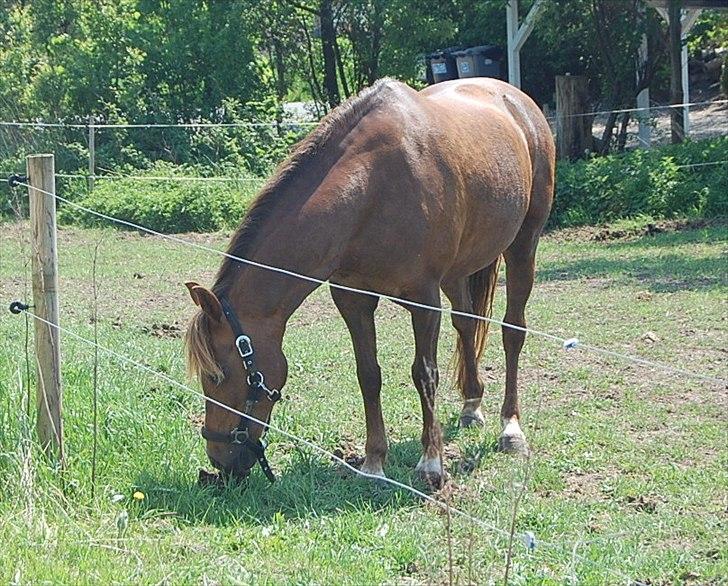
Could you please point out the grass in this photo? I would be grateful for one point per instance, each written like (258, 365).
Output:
(629, 472)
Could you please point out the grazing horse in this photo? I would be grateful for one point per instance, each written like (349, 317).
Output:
(400, 192)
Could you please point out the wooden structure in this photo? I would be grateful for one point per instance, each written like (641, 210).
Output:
(679, 78)
(41, 178)
(573, 128)
(518, 33)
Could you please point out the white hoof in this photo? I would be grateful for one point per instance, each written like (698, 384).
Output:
(512, 440)
(472, 418)
(431, 471)
(373, 469)
(471, 415)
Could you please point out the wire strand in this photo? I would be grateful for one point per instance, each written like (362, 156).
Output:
(265, 425)
(242, 179)
(644, 109)
(567, 343)
(287, 124)
(160, 178)
(316, 448)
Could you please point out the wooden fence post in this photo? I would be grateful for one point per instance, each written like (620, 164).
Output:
(573, 127)
(41, 175)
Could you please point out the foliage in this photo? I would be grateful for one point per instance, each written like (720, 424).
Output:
(654, 182)
(709, 32)
(168, 206)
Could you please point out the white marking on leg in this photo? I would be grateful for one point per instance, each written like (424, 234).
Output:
(429, 465)
(511, 427)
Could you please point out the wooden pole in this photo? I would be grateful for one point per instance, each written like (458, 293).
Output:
(573, 127)
(677, 122)
(41, 175)
(91, 153)
(643, 98)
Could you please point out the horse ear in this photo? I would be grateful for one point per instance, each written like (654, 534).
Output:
(191, 287)
(205, 300)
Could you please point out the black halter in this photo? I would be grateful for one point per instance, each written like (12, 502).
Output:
(257, 391)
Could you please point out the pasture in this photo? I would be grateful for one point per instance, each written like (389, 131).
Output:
(627, 481)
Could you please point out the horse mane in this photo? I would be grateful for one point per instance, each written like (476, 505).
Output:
(200, 358)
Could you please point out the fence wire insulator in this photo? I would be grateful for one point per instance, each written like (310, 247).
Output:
(17, 307)
(529, 540)
(571, 343)
(15, 179)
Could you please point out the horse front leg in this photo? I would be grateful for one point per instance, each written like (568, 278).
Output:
(426, 325)
(358, 313)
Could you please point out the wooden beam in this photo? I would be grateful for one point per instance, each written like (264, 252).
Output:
(713, 4)
(643, 100)
(528, 23)
(517, 36)
(688, 18)
(41, 178)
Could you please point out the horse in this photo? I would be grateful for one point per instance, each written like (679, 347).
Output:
(404, 193)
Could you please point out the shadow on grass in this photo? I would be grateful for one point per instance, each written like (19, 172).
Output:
(659, 273)
(309, 487)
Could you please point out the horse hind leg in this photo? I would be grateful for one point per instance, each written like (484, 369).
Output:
(468, 378)
(358, 313)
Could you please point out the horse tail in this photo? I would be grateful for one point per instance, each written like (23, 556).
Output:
(482, 291)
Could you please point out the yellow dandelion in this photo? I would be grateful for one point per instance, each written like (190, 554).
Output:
(138, 495)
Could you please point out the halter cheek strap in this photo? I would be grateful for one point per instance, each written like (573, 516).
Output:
(257, 391)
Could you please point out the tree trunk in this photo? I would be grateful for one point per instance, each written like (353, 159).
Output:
(312, 79)
(280, 73)
(622, 137)
(328, 40)
(342, 72)
(677, 129)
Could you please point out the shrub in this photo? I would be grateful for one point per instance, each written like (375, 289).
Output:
(655, 183)
(168, 206)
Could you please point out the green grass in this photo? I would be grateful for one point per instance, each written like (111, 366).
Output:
(629, 473)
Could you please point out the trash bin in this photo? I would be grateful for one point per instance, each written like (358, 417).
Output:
(483, 61)
(442, 65)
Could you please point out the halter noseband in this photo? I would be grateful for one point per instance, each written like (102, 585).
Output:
(257, 391)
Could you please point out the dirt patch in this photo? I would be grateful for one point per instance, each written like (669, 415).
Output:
(605, 233)
(585, 485)
(164, 330)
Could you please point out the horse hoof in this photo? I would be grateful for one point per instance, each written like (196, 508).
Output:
(434, 480)
(372, 470)
(431, 472)
(513, 444)
(471, 420)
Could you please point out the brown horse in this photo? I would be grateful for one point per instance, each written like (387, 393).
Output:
(400, 192)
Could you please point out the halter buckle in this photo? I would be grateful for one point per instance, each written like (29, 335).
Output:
(244, 346)
(235, 435)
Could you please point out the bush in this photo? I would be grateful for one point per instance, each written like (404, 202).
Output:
(167, 206)
(654, 183)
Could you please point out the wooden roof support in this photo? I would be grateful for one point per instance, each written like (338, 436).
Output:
(517, 36)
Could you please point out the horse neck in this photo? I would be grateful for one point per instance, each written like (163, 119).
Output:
(305, 235)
